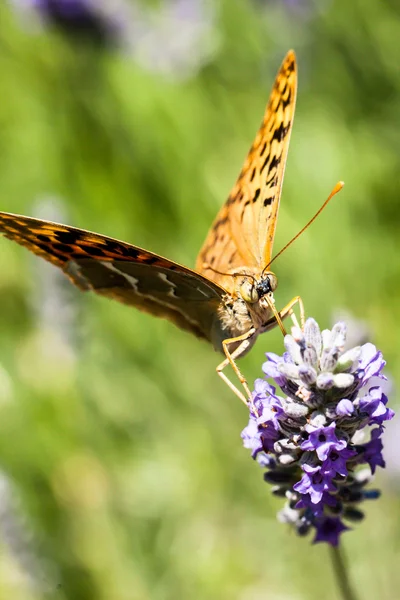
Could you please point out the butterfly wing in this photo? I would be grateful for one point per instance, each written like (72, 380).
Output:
(244, 230)
(121, 271)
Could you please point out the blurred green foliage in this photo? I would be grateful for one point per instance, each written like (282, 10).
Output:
(119, 442)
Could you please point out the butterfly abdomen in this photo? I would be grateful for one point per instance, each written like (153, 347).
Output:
(234, 316)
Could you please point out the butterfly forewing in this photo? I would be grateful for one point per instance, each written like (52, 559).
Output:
(242, 235)
(122, 271)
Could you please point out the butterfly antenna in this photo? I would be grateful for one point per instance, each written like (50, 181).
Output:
(335, 190)
(208, 266)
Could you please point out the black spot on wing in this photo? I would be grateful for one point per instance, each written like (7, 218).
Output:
(275, 162)
(48, 250)
(67, 237)
(63, 248)
(150, 260)
(117, 248)
(285, 102)
(93, 250)
(243, 211)
(272, 180)
(281, 132)
(291, 66)
(220, 222)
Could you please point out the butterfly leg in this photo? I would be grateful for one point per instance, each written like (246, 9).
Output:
(245, 342)
(287, 311)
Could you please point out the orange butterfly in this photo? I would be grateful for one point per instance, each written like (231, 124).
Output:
(228, 299)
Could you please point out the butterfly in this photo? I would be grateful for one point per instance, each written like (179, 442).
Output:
(228, 298)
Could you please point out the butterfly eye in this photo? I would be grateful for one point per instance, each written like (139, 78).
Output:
(273, 281)
(267, 284)
(248, 292)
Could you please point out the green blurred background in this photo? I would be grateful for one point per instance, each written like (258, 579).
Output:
(123, 475)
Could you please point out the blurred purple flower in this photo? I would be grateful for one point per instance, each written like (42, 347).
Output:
(173, 37)
(20, 539)
(358, 331)
(310, 434)
(54, 306)
(88, 20)
(176, 38)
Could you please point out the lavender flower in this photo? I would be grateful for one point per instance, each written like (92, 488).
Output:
(174, 37)
(310, 439)
(89, 20)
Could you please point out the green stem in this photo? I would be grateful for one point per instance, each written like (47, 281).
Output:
(341, 574)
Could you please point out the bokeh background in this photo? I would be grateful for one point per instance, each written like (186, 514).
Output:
(123, 475)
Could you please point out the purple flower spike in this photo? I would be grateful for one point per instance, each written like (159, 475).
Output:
(306, 437)
(337, 461)
(323, 441)
(270, 369)
(315, 485)
(251, 437)
(345, 408)
(372, 452)
(371, 364)
(374, 404)
(329, 530)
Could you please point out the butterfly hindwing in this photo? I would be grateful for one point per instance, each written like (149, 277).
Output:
(121, 271)
(242, 235)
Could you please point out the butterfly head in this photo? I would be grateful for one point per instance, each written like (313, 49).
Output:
(252, 290)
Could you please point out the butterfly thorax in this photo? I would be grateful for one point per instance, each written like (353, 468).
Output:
(249, 304)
